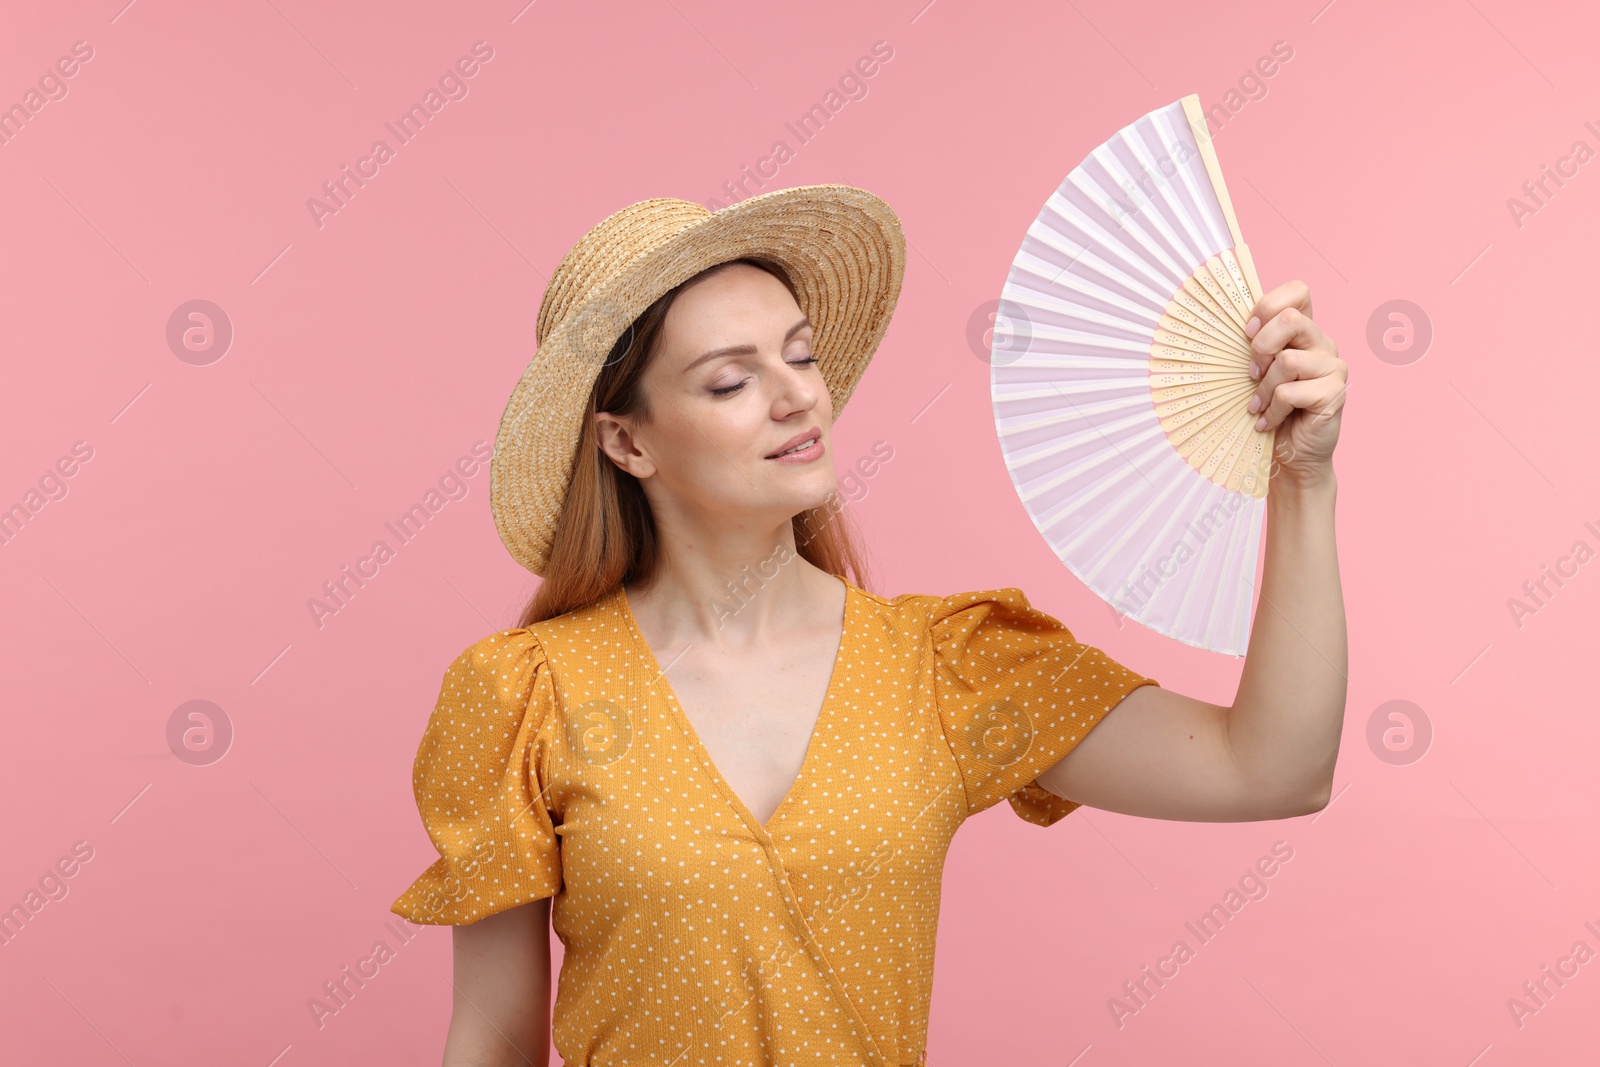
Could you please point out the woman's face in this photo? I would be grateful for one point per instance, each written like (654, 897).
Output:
(732, 382)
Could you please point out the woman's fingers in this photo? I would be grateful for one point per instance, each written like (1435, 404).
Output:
(1291, 294)
(1298, 380)
(1279, 320)
(1288, 365)
(1288, 329)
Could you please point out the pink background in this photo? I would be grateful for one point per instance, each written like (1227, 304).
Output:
(372, 352)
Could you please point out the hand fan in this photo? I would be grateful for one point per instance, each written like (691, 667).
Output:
(1119, 372)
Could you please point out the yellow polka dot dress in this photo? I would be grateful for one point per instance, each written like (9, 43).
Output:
(557, 763)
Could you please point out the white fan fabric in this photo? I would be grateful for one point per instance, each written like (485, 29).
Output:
(1070, 384)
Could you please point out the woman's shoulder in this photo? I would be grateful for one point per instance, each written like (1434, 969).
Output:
(530, 641)
(497, 676)
(497, 651)
(520, 652)
(936, 611)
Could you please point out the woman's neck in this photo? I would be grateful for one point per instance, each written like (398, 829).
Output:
(752, 603)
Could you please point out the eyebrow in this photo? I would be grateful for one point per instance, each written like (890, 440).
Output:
(744, 350)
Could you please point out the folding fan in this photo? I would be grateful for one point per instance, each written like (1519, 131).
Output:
(1119, 373)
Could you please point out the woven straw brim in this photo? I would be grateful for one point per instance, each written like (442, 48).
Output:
(841, 246)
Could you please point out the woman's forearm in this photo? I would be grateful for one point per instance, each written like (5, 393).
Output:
(1286, 719)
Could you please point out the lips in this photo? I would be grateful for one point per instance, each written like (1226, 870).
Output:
(798, 439)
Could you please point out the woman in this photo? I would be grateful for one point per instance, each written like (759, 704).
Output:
(726, 771)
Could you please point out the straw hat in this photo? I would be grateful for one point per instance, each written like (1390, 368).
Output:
(841, 246)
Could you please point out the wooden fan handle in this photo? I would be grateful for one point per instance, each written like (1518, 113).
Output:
(1208, 154)
(1241, 252)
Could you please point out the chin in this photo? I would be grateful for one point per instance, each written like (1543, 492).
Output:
(814, 493)
(826, 487)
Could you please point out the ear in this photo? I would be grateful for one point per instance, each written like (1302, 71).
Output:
(616, 438)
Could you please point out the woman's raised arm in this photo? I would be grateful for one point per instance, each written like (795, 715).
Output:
(1270, 755)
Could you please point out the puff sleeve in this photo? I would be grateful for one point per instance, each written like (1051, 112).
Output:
(1015, 693)
(478, 787)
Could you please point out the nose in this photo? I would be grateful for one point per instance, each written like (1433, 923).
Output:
(800, 388)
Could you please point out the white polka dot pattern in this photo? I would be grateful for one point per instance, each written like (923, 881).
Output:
(556, 763)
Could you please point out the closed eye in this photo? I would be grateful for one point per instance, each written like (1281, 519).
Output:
(728, 390)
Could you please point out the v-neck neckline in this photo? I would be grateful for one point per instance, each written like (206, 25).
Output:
(709, 765)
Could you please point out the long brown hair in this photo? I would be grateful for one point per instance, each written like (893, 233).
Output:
(605, 535)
